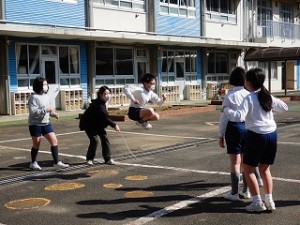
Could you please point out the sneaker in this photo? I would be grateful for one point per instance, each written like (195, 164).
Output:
(260, 182)
(270, 205)
(231, 197)
(110, 162)
(35, 166)
(256, 207)
(90, 162)
(144, 124)
(60, 165)
(245, 195)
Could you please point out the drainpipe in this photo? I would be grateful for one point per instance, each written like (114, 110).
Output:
(202, 19)
(2, 12)
(89, 14)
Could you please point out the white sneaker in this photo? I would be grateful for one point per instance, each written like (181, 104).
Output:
(270, 205)
(90, 162)
(256, 207)
(60, 165)
(245, 195)
(260, 182)
(110, 162)
(35, 166)
(145, 124)
(231, 197)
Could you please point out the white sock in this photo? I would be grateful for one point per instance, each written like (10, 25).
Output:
(268, 197)
(256, 199)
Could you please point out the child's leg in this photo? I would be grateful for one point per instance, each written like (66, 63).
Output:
(105, 146)
(235, 160)
(94, 141)
(258, 177)
(148, 115)
(266, 177)
(251, 180)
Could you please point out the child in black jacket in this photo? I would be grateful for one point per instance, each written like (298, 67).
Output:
(94, 121)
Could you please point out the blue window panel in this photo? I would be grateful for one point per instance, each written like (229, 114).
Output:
(47, 12)
(176, 25)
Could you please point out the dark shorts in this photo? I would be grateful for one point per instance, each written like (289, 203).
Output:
(260, 148)
(235, 137)
(134, 113)
(37, 131)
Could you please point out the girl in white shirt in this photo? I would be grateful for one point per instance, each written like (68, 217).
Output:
(261, 138)
(139, 97)
(234, 133)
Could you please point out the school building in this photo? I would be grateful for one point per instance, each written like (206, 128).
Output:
(190, 45)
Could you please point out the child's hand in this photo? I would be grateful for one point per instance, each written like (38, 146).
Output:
(164, 97)
(136, 101)
(117, 128)
(56, 116)
(221, 142)
(222, 109)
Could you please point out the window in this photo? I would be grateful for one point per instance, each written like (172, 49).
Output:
(28, 64)
(220, 64)
(138, 5)
(264, 16)
(221, 10)
(114, 66)
(265, 67)
(28, 59)
(184, 8)
(286, 16)
(178, 64)
(69, 65)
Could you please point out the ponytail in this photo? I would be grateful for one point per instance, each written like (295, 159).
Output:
(256, 77)
(265, 99)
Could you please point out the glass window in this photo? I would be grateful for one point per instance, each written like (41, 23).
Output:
(104, 61)
(223, 10)
(218, 63)
(74, 59)
(124, 62)
(123, 4)
(34, 59)
(49, 50)
(21, 57)
(63, 60)
(184, 8)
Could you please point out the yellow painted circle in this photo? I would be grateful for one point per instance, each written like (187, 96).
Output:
(27, 203)
(103, 173)
(112, 185)
(138, 194)
(64, 187)
(136, 177)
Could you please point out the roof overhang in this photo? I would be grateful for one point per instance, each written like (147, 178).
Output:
(272, 54)
(122, 37)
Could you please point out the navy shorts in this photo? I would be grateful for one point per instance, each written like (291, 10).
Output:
(260, 148)
(235, 137)
(134, 113)
(37, 131)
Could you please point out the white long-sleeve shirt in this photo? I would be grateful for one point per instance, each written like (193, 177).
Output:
(256, 119)
(136, 92)
(38, 115)
(231, 100)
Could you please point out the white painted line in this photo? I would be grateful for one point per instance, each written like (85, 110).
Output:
(154, 166)
(288, 143)
(211, 123)
(177, 206)
(174, 168)
(124, 132)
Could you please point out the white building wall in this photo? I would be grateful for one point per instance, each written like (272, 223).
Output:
(223, 31)
(119, 20)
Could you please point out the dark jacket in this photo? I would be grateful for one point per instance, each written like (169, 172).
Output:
(96, 116)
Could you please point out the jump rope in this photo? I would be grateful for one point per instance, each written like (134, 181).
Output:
(133, 155)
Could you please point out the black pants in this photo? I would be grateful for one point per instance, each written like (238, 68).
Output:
(94, 136)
